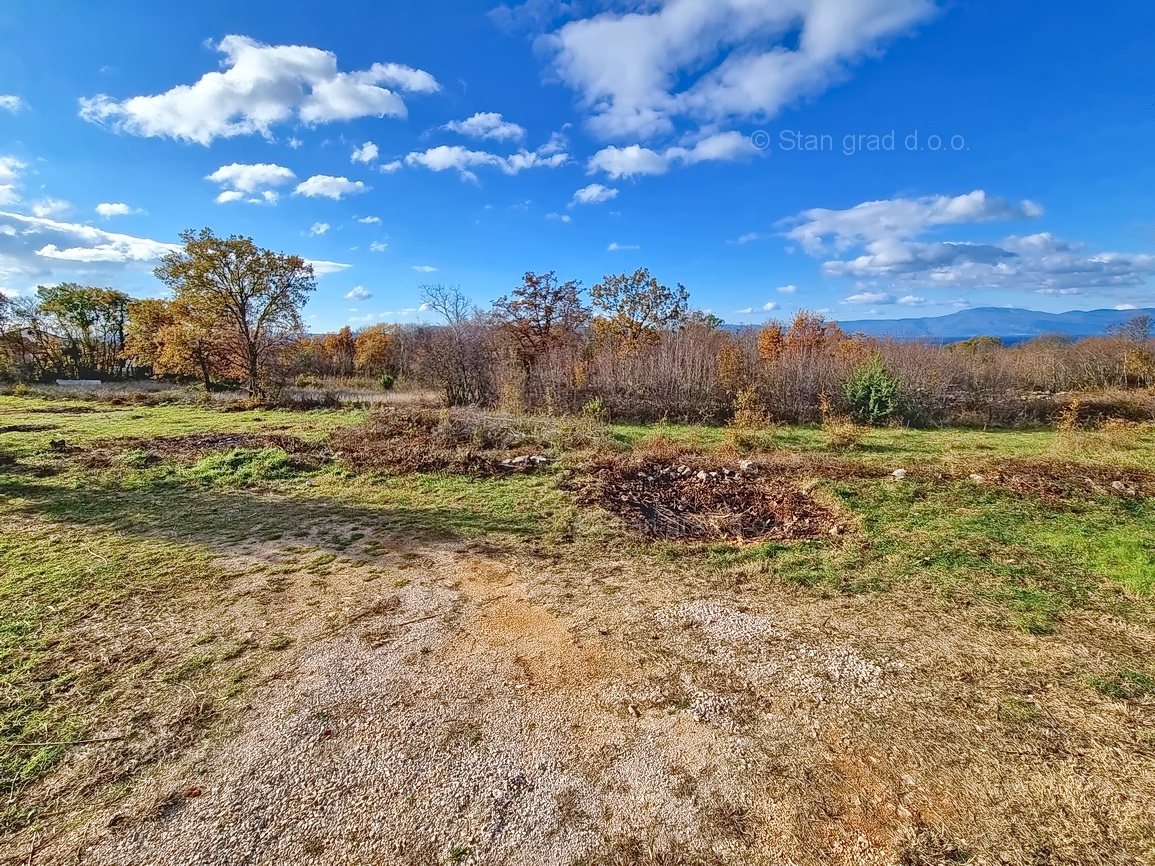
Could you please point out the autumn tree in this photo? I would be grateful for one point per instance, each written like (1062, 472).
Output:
(178, 338)
(375, 347)
(636, 307)
(88, 324)
(541, 313)
(255, 294)
(340, 350)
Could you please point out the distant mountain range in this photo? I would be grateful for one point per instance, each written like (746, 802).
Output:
(1009, 324)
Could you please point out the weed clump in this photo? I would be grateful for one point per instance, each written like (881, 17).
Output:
(1124, 685)
(243, 468)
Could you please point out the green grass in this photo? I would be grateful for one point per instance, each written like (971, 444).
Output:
(85, 542)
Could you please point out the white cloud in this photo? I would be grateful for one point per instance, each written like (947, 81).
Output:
(365, 153)
(260, 87)
(487, 124)
(251, 183)
(747, 238)
(887, 235)
(318, 229)
(616, 247)
(900, 218)
(788, 290)
(50, 207)
(560, 217)
(628, 161)
(1122, 307)
(595, 193)
(390, 167)
(424, 269)
(359, 293)
(10, 169)
(745, 311)
(323, 268)
(11, 103)
(635, 160)
(378, 247)
(463, 159)
(294, 143)
(912, 301)
(111, 209)
(716, 61)
(329, 187)
(39, 250)
(370, 220)
(770, 306)
(870, 298)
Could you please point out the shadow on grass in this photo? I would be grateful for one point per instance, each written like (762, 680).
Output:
(217, 516)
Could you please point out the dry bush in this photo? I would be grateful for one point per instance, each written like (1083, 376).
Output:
(839, 430)
(468, 441)
(751, 428)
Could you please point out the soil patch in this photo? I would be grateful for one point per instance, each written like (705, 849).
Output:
(1057, 481)
(403, 442)
(194, 446)
(703, 501)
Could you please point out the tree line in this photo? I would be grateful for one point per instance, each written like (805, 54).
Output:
(630, 347)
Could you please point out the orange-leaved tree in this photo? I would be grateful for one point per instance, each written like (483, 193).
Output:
(255, 296)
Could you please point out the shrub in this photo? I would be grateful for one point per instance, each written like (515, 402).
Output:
(872, 393)
(840, 431)
(386, 382)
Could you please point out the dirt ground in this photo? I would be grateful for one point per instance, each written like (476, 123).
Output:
(456, 702)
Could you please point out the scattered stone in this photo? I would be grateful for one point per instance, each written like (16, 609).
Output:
(977, 479)
(898, 474)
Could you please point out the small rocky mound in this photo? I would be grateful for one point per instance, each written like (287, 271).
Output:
(701, 501)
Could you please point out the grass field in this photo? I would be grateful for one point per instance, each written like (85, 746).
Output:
(149, 597)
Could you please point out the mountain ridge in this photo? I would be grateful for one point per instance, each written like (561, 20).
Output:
(1010, 324)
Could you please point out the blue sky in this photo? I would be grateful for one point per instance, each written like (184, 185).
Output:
(724, 144)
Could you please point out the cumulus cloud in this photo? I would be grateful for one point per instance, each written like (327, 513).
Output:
(788, 290)
(359, 293)
(900, 218)
(463, 160)
(560, 217)
(487, 124)
(259, 87)
(370, 220)
(323, 185)
(111, 209)
(251, 183)
(634, 159)
(11, 103)
(595, 193)
(318, 229)
(365, 153)
(424, 269)
(36, 250)
(390, 167)
(643, 68)
(616, 247)
(50, 207)
(770, 306)
(889, 237)
(378, 247)
(912, 301)
(10, 171)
